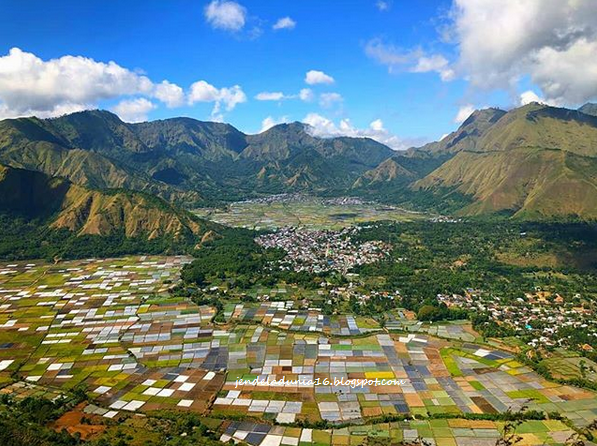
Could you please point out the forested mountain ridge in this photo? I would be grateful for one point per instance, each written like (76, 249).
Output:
(182, 159)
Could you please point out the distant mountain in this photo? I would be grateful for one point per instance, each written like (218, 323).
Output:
(59, 204)
(467, 137)
(182, 159)
(589, 109)
(71, 147)
(533, 162)
(389, 171)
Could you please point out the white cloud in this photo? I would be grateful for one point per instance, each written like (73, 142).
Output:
(29, 84)
(389, 55)
(415, 60)
(202, 91)
(434, 62)
(383, 5)
(377, 125)
(306, 95)
(315, 77)
(328, 100)
(170, 94)
(229, 98)
(270, 122)
(134, 110)
(284, 23)
(32, 86)
(529, 96)
(270, 96)
(325, 128)
(554, 42)
(463, 113)
(226, 15)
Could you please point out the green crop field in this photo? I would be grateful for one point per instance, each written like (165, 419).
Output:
(307, 212)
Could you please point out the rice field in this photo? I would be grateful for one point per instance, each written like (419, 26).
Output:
(309, 212)
(111, 326)
(456, 432)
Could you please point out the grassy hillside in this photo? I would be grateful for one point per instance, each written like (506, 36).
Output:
(534, 162)
(541, 126)
(52, 212)
(528, 182)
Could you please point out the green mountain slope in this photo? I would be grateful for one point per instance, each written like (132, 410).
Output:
(534, 162)
(466, 137)
(183, 159)
(48, 146)
(54, 204)
(538, 125)
(388, 171)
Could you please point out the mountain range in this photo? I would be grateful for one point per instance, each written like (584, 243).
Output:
(184, 160)
(533, 162)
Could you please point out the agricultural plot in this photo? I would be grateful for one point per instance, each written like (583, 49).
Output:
(284, 315)
(111, 326)
(309, 212)
(403, 320)
(455, 432)
(106, 324)
(435, 378)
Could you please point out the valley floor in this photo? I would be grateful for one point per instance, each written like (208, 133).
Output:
(305, 211)
(111, 326)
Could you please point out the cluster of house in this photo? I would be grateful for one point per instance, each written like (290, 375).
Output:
(317, 251)
(541, 314)
(301, 198)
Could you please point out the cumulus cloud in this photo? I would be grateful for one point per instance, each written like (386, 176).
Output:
(306, 95)
(435, 62)
(325, 128)
(227, 98)
(270, 122)
(529, 96)
(270, 96)
(170, 94)
(414, 60)
(134, 110)
(32, 86)
(225, 14)
(554, 42)
(315, 77)
(284, 23)
(328, 100)
(463, 113)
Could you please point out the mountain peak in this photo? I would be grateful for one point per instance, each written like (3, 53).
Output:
(87, 114)
(287, 127)
(590, 108)
(491, 114)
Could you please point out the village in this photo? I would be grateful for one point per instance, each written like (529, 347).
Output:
(317, 251)
(541, 316)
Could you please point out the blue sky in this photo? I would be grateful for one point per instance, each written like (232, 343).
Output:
(402, 70)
